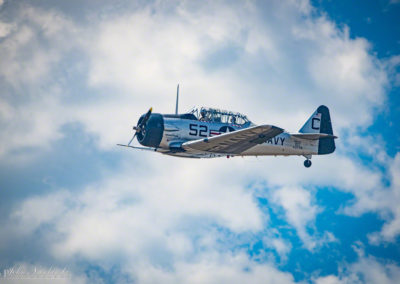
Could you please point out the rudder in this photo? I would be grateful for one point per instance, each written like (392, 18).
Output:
(325, 145)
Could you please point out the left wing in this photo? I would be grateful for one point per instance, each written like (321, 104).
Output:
(234, 142)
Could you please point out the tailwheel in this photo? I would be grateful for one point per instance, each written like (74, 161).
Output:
(307, 163)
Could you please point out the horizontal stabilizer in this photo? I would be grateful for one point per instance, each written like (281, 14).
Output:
(313, 136)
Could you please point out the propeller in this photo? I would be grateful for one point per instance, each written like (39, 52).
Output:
(141, 125)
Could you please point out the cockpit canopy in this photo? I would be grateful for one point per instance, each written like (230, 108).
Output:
(219, 116)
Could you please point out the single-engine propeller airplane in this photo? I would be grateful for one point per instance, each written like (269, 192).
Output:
(209, 132)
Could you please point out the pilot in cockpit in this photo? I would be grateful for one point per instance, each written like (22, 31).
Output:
(233, 120)
(203, 115)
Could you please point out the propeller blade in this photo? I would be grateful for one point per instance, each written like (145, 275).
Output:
(141, 125)
(133, 137)
(147, 116)
(145, 119)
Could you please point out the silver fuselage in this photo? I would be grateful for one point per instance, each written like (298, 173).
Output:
(178, 131)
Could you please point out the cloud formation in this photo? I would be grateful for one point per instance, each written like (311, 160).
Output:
(169, 220)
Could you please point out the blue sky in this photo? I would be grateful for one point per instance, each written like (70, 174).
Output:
(76, 76)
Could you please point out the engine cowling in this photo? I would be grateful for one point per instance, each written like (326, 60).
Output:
(152, 132)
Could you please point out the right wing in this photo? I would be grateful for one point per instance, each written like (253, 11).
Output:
(234, 142)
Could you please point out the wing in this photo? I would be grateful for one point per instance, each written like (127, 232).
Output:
(234, 142)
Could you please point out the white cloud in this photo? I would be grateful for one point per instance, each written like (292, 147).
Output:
(298, 210)
(386, 202)
(301, 211)
(366, 269)
(375, 272)
(214, 268)
(330, 279)
(132, 217)
(133, 209)
(279, 244)
(392, 64)
(37, 42)
(35, 211)
(31, 112)
(5, 28)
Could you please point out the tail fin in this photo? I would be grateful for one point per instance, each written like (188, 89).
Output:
(320, 122)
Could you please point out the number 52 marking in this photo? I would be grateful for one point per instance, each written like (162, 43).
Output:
(198, 130)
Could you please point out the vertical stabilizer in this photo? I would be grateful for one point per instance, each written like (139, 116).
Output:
(320, 122)
(313, 124)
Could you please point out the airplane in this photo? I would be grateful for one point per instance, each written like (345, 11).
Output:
(210, 132)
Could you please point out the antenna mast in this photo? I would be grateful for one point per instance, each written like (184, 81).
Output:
(177, 99)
